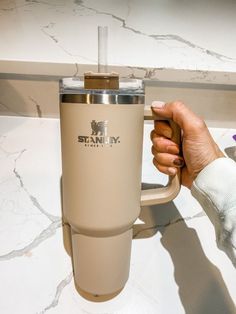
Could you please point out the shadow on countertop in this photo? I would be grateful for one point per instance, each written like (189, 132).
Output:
(201, 287)
(231, 152)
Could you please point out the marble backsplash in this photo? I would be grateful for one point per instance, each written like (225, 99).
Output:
(192, 35)
(31, 98)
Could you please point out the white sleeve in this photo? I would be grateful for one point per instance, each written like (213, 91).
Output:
(215, 189)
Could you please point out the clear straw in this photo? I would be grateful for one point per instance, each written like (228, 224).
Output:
(102, 49)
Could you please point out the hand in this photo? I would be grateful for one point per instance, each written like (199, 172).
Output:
(198, 147)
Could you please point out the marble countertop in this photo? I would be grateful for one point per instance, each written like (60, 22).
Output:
(58, 37)
(175, 264)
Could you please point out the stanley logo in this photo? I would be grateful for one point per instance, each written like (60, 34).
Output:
(98, 137)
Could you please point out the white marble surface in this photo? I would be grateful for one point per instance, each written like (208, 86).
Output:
(144, 37)
(175, 264)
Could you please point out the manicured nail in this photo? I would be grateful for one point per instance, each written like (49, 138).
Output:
(158, 104)
(172, 171)
(178, 162)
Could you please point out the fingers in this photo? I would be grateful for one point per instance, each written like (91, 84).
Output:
(166, 159)
(163, 128)
(161, 138)
(164, 145)
(170, 171)
(167, 165)
(180, 114)
(164, 150)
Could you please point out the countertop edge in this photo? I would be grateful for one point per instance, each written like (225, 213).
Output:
(49, 70)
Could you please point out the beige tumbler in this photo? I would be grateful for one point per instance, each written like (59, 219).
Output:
(101, 141)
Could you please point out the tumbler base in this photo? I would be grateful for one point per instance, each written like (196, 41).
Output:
(96, 298)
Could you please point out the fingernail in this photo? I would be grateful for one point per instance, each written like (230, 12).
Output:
(178, 162)
(172, 171)
(158, 104)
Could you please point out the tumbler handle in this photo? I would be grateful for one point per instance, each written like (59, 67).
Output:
(169, 192)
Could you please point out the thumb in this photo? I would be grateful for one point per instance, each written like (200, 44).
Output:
(180, 114)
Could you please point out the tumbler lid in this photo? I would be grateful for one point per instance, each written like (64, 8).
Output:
(101, 81)
(102, 88)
